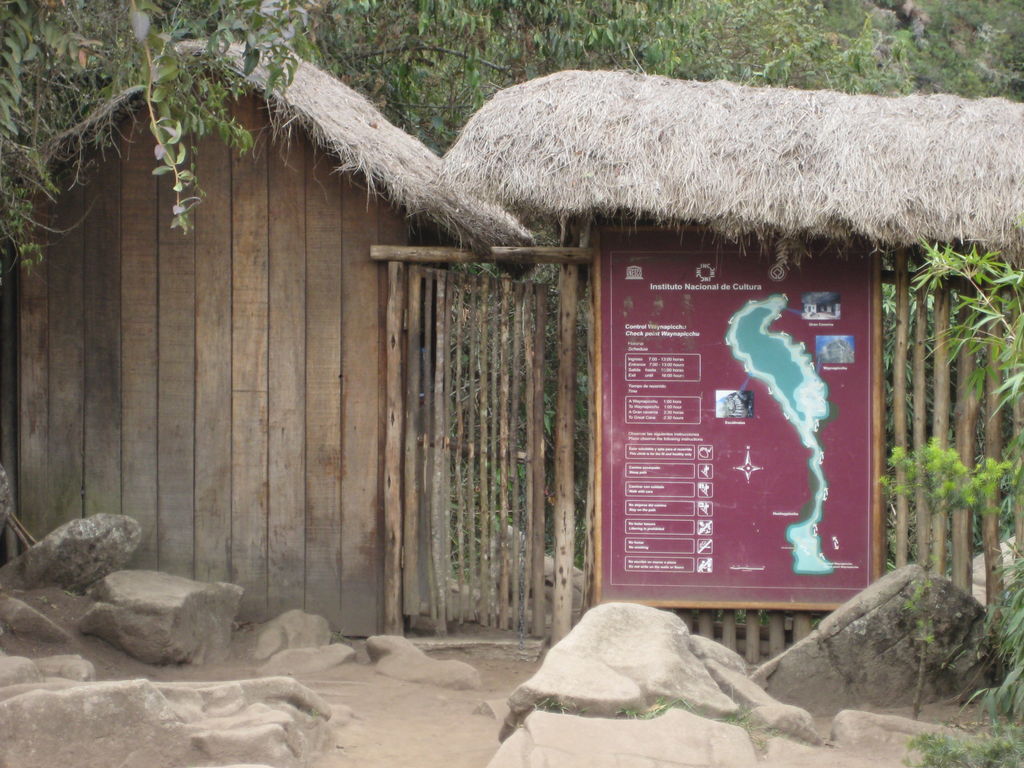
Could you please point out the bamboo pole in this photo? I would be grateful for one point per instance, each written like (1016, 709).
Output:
(485, 457)
(899, 396)
(568, 298)
(504, 454)
(411, 590)
(967, 406)
(427, 504)
(993, 450)
(729, 629)
(920, 421)
(940, 413)
(393, 453)
(494, 552)
(537, 461)
(472, 476)
(446, 443)
(515, 405)
(456, 391)
(439, 507)
(592, 427)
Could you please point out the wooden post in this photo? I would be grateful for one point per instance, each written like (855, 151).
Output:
(729, 629)
(940, 413)
(485, 502)
(411, 470)
(899, 396)
(504, 459)
(9, 389)
(472, 476)
(494, 454)
(456, 390)
(514, 485)
(752, 637)
(440, 508)
(537, 469)
(706, 624)
(923, 517)
(967, 405)
(801, 626)
(591, 502)
(993, 450)
(393, 453)
(776, 633)
(428, 454)
(565, 528)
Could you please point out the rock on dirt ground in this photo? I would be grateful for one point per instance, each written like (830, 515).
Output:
(163, 619)
(137, 723)
(76, 554)
(677, 739)
(620, 657)
(867, 650)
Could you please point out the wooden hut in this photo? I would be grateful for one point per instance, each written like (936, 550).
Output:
(712, 174)
(225, 386)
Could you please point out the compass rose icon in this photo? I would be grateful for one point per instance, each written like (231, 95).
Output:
(748, 467)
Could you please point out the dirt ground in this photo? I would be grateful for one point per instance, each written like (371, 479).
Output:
(393, 723)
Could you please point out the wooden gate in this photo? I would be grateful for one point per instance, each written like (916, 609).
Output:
(465, 475)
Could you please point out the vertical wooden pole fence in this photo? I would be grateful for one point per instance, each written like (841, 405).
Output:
(920, 428)
(393, 451)
(564, 522)
(967, 406)
(940, 412)
(535, 441)
(899, 397)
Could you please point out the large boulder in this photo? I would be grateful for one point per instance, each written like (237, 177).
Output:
(867, 651)
(292, 629)
(398, 658)
(76, 554)
(24, 621)
(163, 619)
(621, 657)
(676, 739)
(136, 724)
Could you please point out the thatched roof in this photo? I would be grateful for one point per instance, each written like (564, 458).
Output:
(740, 159)
(346, 125)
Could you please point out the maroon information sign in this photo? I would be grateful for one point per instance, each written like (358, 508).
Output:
(738, 449)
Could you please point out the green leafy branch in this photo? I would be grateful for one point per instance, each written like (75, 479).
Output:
(267, 30)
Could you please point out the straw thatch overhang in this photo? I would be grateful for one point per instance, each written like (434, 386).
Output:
(345, 124)
(776, 162)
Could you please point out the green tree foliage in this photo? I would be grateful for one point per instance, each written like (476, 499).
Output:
(431, 63)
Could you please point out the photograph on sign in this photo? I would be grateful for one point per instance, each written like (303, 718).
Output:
(740, 398)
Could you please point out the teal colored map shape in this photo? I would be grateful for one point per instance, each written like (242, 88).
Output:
(787, 369)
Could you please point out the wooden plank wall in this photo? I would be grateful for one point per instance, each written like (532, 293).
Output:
(224, 387)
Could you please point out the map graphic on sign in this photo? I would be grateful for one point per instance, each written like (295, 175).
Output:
(788, 370)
